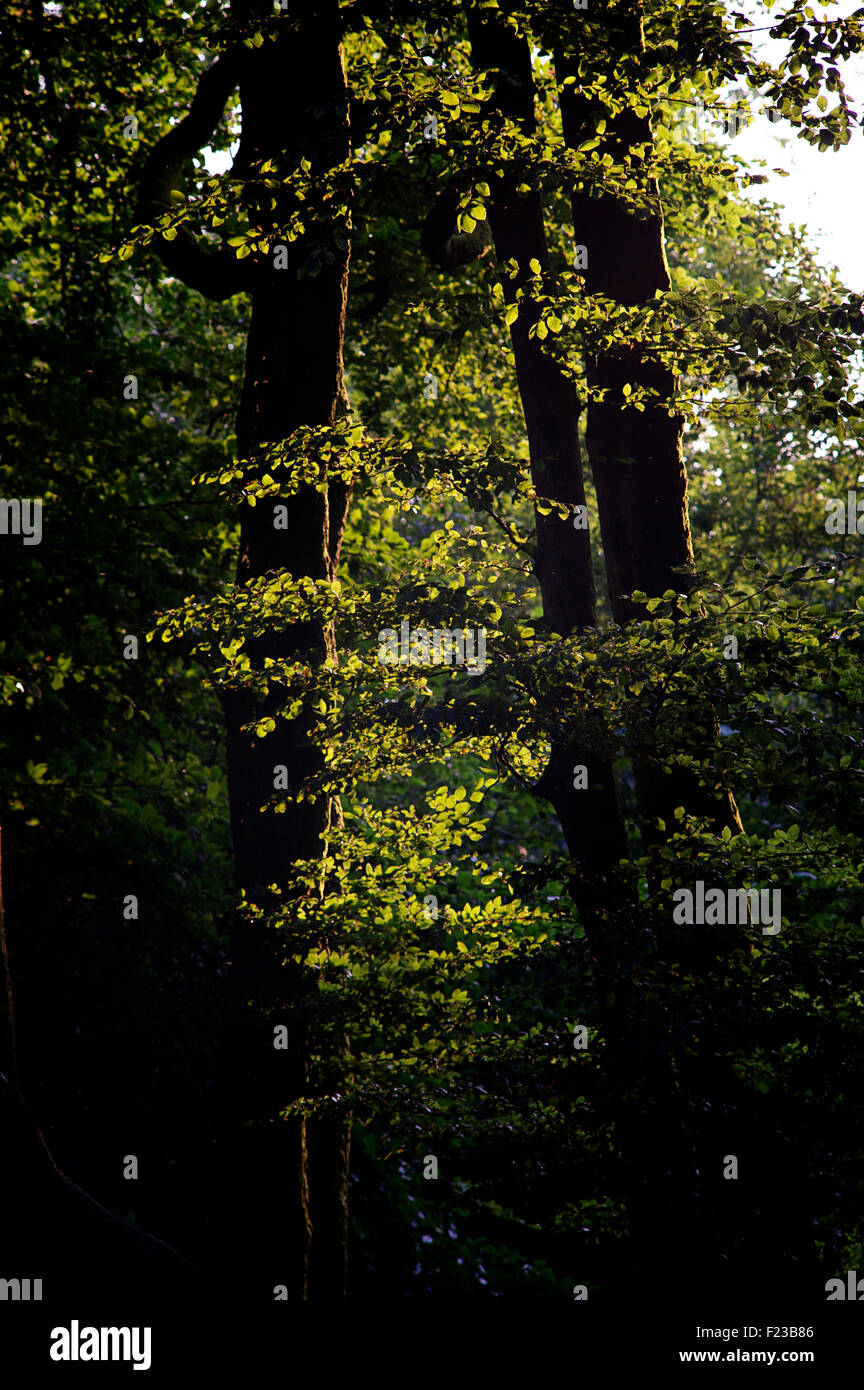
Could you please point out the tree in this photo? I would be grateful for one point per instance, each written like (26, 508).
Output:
(634, 437)
(522, 1005)
(293, 377)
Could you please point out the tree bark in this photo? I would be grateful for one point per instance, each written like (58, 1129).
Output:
(636, 456)
(294, 102)
(634, 1059)
(590, 818)
(294, 376)
(640, 478)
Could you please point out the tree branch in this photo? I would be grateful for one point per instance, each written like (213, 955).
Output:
(215, 273)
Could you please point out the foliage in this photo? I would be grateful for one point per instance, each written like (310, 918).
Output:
(460, 1020)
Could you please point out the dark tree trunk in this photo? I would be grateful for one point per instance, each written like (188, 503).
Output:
(294, 376)
(592, 824)
(639, 474)
(636, 456)
(294, 102)
(589, 817)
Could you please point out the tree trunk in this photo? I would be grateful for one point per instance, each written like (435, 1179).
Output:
(640, 478)
(293, 377)
(294, 102)
(592, 824)
(589, 817)
(636, 456)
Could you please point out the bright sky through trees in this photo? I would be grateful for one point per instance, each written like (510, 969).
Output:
(825, 189)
